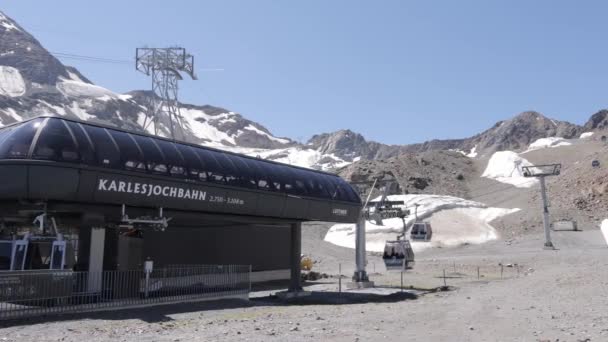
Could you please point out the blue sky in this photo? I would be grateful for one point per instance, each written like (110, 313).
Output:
(396, 71)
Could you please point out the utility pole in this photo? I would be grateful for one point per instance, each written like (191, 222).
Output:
(165, 66)
(541, 172)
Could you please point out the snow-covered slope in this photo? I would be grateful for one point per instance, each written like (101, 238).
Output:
(548, 142)
(455, 221)
(505, 167)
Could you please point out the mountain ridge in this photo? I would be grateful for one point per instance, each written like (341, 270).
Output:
(34, 82)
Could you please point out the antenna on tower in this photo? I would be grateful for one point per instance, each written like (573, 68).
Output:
(165, 65)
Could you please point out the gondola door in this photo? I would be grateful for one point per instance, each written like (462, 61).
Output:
(19, 254)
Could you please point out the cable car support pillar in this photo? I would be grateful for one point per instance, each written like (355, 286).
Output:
(296, 254)
(360, 278)
(543, 191)
(541, 172)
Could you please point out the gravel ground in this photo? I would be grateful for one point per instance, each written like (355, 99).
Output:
(541, 296)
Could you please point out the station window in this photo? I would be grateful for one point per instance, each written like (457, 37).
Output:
(106, 151)
(210, 165)
(17, 143)
(320, 186)
(178, 171)
(244, 173)
(352, 194)
(172, 156)
(344, 191)
(5, 132)
(56, 143)
(152, 155)
(293, 185)
(192, 162)
(85, 147)
(130, 155)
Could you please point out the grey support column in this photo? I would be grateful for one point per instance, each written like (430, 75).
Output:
(296, 252)
(360, 274)
(94, 279)
(543, 192)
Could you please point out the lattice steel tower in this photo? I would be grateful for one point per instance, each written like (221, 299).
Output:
(165, 66)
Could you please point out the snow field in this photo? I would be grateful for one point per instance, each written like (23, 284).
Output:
(547, 143)
(455, 221)
(85, 90)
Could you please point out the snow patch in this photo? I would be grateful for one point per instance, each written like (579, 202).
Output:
(80, 112)
(505, 167)
(11, 82)
(473, 152)
(198, 122)
(586, 135)
(295, 155)
(251, 127)
(13, 114)
(455, 221)
(58, 109)
(604, 229)
(8, 26)
(75, 77)
(547, 143)
(80, 89)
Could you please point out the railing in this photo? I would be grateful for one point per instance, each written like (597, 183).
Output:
(38, 293)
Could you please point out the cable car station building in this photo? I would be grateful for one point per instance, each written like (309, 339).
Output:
(114, 199)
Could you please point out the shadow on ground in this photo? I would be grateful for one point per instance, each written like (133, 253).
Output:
(163, 313)
(337, 298)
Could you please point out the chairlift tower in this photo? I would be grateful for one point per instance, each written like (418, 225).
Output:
(540, 172)
(165, 66)
(360, 277)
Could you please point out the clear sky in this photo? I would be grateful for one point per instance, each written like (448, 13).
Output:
(396, 71)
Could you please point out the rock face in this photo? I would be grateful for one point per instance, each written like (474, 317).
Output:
(513, 134)
(598, 120)
(440, 172)
(349, 145)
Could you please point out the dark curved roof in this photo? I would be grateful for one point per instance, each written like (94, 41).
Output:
(74, 141)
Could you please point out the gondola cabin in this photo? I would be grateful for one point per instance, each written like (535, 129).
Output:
(398, 255)
(121, 197)
(421, 231)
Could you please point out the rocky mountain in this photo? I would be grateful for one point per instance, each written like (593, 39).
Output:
(429, 172)
(598, 120)
(34, 82)
(350, 146)
(514, 134)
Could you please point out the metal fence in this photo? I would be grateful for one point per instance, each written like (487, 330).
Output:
(38, 293)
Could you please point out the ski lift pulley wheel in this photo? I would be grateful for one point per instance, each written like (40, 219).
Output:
(421, 231)
(398, 255)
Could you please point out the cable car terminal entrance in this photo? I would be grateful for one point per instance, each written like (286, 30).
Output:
(87, 201)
